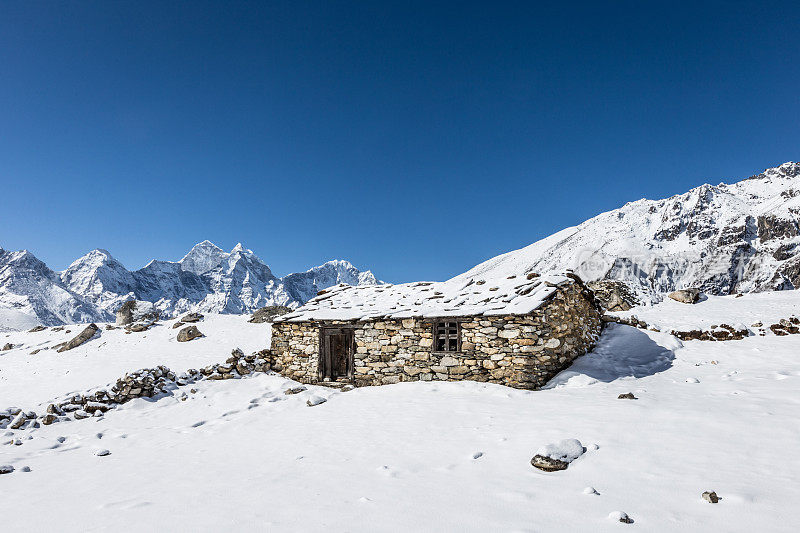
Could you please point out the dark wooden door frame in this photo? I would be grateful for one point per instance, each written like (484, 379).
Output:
(326, 362)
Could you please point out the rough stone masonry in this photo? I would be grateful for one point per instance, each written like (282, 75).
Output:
(522, 351)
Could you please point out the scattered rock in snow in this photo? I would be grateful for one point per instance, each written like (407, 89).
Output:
(686, 296)
(80, 414)
(711, 497)
(692, 380)
(49, 418)
(294, 390)
(189, 333)
(558, 456)
(548, 464)
(268, 313)
(627, 396)
(590, 490)
(7, 347)
(620, 517)
(102, 453)
(191, 318)
(89, 332)
(36, 329)
(25, 469)
(177, 325)
(6, 469)
(315, 400)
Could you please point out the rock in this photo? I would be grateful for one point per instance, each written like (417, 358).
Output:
(136, 311)
(191, 318)
(6, 469)
(36, 329)
(189, 333)
(711, 497)
(621, 517)
(294, 390)
(80, 414)
(25, 469)
(177, 325)
(93, 407)
(85, 335)
(268, 313)
(109, 327)
(7, 347)
(613, 295)
(627, 396)
(49, 418)
(686, 296)
(315, 400)
(138, 327)
(19, 421)
(102, 453)
(590, 490)
(548, 464)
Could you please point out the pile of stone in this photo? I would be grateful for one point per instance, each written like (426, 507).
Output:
(239, 364)
(723, 332)
(786, 326)
(144, 383)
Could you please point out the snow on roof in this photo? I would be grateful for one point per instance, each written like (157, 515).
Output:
(513, 295)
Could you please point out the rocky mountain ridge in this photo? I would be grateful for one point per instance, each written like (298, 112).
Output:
(722, 239)
(207, 279)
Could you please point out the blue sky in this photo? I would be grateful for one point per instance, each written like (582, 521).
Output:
(412, 138)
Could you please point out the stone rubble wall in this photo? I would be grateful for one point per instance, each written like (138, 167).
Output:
(517, 351)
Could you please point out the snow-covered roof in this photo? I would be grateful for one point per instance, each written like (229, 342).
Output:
(512, 295)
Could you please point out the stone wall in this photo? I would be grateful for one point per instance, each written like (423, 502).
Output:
(518, 351)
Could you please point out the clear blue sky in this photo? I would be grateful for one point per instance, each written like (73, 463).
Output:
(413, 138)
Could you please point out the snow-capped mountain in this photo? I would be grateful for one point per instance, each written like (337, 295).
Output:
(724, 239)
(207, 279)
(31, 293)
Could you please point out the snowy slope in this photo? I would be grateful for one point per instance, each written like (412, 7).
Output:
(241, 455)
(724, 239)
(207, 280)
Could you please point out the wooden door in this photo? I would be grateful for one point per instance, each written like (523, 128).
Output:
(336, 359)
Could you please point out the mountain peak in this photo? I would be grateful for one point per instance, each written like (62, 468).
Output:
(203, 256)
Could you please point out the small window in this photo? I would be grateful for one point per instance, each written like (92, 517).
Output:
(446, 337)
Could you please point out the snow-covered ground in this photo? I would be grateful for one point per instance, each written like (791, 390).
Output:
(30, 380)
(240, 455)
(741, 313)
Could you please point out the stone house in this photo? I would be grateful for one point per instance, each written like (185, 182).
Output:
(519, 332)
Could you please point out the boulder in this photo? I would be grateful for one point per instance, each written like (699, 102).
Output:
(189, 333)
(686, 296)
(268, 313)
(89, 332)
(49, 418)
(7, 347)
(548, 464)
(711, 497)
(139, 327)
(613, 295)
(136, 311)
(6, 469)
(177, 325)
(36, 329)
(294, 390)
(191, 318)
(627, 396)
(102, 453)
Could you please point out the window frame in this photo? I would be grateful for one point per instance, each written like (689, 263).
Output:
(434, 329)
